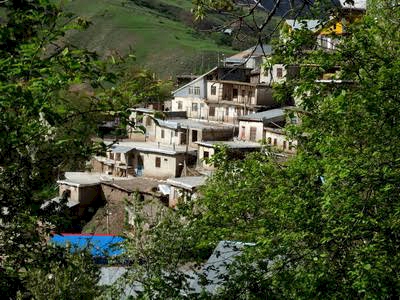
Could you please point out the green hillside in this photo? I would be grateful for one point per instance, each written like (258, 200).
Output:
(159, 32)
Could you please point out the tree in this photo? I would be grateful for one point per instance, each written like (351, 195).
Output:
(325, 223)
(46, 128)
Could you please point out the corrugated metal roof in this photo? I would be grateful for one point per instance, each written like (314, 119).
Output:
(121, 149)
(268, 115)
(187, 182)
(231, 144)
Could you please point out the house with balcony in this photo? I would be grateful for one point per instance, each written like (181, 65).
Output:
(267, 126)
(148, 159)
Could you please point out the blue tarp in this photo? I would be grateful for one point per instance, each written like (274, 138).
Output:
(98, 245)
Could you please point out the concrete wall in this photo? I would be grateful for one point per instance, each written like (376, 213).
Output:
(280, 141)
(186, 91)
(171, 136)
(188, 104)
(245, 127)
(200, 157)
(169, 165)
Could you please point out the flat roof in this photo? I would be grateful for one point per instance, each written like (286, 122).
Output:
(268, 115)
(155, 147)
(81, 179)
(194, 124)
(141, 184)
(231, 144)
(187, 182)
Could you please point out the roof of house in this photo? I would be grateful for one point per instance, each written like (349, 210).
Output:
(195, 80)
(255, 51)
(295, 8)
(216, 267)
(193, 124)
(231, 144)
(81, 179)
(141, 184)
(98, 245)
(188, 182)
(155, 147)
(272, 115)
(312, 25)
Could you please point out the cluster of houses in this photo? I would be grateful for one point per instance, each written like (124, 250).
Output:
(165, 154)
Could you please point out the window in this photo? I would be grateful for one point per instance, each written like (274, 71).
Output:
(279, 72)
(148, 121)
(275, 142)
(176, 133)
(243, 93)
(194, 135)
(227, 111)
(118, 156)
(206, 154)
(162, 133)
(191, 90)
(269, 140)
(197, 90)
(235, 93)
(111, 155)
(290, 145)
(253, 133)
(213, 90)
(179, 104)
(194, 106)
(211, 112)
(158, 162)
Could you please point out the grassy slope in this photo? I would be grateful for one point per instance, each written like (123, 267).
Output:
(160, 40)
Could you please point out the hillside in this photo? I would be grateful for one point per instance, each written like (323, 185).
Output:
(159, 32)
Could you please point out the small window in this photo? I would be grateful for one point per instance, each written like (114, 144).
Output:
(269, 141)
(162, 133)
(179, 104)
(194, 135)
(111, 155)
(275, 142)
(158, 162)
(211, 112)
(194, 106)
(279, 72)
(213, 90)
(227, 111)
(253, 133)
(191, 90)
(118, 156)
(206, 154)
(197, 90)
(235, 93)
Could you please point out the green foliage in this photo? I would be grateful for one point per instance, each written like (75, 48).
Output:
(326, 223)
(52, 97)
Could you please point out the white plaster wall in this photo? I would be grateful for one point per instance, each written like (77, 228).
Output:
(269, 76)
(244, 130)
(279, 141)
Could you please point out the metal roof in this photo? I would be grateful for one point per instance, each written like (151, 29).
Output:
(271, 115)
(121, 149)
(193, 124)
(188, 182)
(231, 144)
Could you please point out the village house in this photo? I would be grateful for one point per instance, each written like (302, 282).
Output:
(149, 159)
(236, 150)
(82, 191)
(226, 92)
(183, 188)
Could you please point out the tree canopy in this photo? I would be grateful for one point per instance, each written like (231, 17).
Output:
(325, 223)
